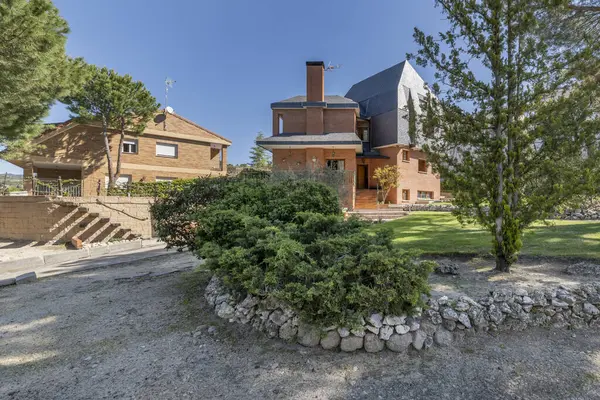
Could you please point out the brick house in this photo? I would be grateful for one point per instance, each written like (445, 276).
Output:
(359, 132)
(170, 147)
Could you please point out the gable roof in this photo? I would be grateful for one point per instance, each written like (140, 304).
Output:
(176, 127)
(199, 127)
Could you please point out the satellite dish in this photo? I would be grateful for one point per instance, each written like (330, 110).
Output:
(169, 109)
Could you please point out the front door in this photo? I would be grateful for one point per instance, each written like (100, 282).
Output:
(362, 178)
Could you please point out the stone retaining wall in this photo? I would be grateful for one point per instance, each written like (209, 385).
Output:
(48, 220)
(441, 323)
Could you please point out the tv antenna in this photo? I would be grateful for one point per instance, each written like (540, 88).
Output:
(168, 84)
(330, 67)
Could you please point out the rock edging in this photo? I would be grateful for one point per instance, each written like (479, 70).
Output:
(444, 321)
(589, 213)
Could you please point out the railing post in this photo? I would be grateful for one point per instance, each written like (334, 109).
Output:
(60, 191)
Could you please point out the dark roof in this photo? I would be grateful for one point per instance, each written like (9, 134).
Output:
(338, 138)
(371, 154)
(330, 101)
(381, 82)
(335, 99)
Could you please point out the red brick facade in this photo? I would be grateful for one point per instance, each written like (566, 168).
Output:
(417, 183)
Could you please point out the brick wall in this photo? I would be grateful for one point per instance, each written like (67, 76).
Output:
(339, 120)
(45, 219)
(415, 181)
(314, 120)
(85, 144)
(292, 159)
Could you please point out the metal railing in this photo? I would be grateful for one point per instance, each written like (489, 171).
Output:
(56, 187)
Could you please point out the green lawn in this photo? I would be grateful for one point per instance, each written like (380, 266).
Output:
(440, 233)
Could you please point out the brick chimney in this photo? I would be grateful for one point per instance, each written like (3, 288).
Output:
(315, 81)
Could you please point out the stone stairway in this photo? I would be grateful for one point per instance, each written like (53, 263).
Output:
(366, 199)
(89, 226)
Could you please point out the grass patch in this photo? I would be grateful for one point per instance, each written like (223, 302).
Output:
(440, 233)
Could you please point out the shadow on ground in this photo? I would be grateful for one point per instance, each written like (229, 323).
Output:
(118, 333)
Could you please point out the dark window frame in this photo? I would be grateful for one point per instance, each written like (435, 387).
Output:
(424, 162)
(167, 144)
(337, 161)
(137, 146)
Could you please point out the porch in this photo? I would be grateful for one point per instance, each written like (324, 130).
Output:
(44, 178)
(52, 176)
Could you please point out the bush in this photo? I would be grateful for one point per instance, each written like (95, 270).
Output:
(329, 270)
(150, 189)
(288, 240)
(176, 215)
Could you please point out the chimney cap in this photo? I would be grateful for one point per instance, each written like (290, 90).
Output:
(315, 63)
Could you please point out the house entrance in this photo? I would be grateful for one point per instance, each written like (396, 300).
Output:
(362, 177)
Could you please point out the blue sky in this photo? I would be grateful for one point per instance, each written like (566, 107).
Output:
(232, 58)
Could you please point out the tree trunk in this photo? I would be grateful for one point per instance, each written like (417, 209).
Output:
(111, 181)
(502, 263)
(498, 93)
(120, 150)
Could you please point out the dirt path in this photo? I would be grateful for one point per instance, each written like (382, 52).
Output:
(100, 335)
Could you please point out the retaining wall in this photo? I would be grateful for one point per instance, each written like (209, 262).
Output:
(441, 323)
(53, 219)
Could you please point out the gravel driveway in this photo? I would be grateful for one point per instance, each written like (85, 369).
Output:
(100, 334)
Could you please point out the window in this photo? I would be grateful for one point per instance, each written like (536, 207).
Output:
(405, 194)
(422, 195)
(337, 165)
(166, 150)
(280, 123)
(164, 179)
(405, 156)
(365, 137)
(130, 147)
(423, 166)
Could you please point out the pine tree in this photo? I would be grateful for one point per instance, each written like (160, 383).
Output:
(519, 138)
(118, 103)
(412, 120)
(34, 69)
(258, 155)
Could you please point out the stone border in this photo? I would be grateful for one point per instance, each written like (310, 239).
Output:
(441, 323)
(583, 214)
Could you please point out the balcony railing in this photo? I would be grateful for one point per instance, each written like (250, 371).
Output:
(56, 187)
